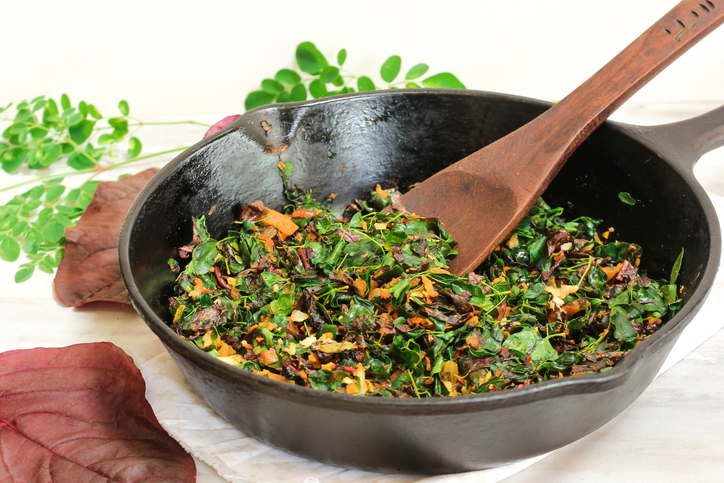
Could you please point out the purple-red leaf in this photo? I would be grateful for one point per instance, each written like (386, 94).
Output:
(90, 270)
(221, 124)
(79, 414)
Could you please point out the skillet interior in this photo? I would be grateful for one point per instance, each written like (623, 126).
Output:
(345, 146)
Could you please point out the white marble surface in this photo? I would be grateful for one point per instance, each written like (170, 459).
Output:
(673, 432)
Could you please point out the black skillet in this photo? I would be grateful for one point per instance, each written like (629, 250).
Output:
(346, 145)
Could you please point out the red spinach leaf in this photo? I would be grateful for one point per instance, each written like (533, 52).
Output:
(79, 414)
(89, 270)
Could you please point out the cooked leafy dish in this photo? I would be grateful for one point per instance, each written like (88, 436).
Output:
(361, 302)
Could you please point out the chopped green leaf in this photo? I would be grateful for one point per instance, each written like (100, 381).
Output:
(626, 198)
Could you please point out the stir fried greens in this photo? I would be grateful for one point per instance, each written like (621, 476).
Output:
(363, 304)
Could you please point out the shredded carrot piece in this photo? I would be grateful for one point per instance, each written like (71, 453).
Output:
(305, 213)
(360, 286)
(269, 357)
(281, 222)
(380, 192)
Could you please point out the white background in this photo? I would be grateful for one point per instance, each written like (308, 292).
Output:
(181, 58)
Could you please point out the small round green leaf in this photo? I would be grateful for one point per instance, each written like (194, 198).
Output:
(69, 211)
(62, 219)
(317, 89)
(120, 127)
(258, 98)
(38, 104)
(48, 263)
(54, 193)
(81, 160)
(32, 241)
(38, 132)
(64, 101)
(8, 223)
(10, 249)
(13, 158)
(284, 96)
(15, 128)
(94, 112)
(134, 147)
(106, 139)
(364, 83)
(329, 74)
(74, 118)
(123, 107)
(412, 85)
(287, 76)
(24, 273)
(390, 68)
(81, 131)
(416, 71)
(443, 80)
(44, 214)
(54, 231)
(19, 229)
(341, 57)
(35, 192)
(84, 199)
(30, 206)
(72, 197)
(17, 201)
(299, 93)
(271, 86)
(627, 198)
(50, 154)
(22, 137)
(89, 186)
(51, 109)
(310, 59)
(22, 115)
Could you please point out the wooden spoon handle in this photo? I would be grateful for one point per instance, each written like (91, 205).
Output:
(676, 32)
(569, 122)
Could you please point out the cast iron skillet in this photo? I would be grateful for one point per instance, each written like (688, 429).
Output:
(346, 145)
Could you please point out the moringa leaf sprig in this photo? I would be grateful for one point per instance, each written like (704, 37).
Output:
(316, 77)
(41, 133)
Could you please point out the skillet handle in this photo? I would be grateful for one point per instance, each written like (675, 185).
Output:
(686, 141)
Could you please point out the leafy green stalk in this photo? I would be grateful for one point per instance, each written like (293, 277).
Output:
(41, 133)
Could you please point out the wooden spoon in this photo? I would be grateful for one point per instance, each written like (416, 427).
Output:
(481, 198)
